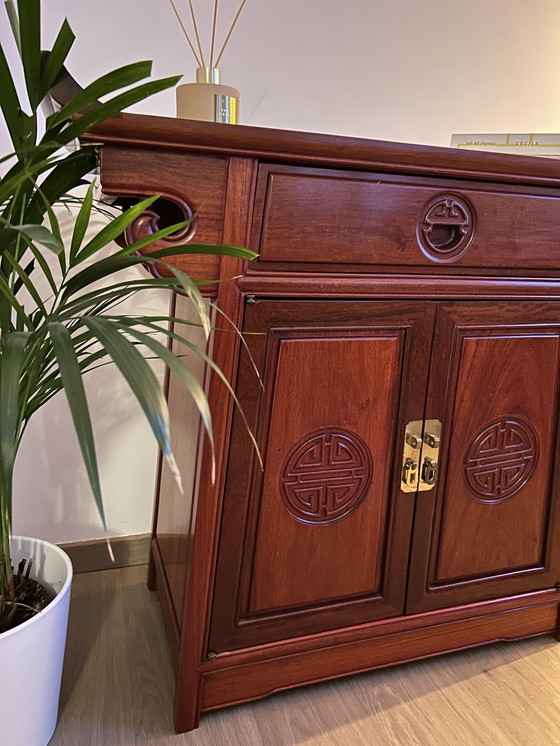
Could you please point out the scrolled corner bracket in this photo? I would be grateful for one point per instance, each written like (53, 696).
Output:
(165, 211)
(446, 227)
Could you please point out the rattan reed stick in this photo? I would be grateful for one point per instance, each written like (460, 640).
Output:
(196, 33)
(185, 32)
(199, 57)
(230, 32)
(213, 33)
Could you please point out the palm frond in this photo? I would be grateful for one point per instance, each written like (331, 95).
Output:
(71, 378)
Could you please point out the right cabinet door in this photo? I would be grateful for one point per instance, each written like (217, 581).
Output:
(490, 527)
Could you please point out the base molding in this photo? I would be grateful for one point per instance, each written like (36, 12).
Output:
(93, 555)
(248, 674)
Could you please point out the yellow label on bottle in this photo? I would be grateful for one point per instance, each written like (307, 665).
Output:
(225, 109)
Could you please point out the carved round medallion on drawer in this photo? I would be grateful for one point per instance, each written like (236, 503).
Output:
(163, 213)
(446, 227)
(325, 476)
(501, 459)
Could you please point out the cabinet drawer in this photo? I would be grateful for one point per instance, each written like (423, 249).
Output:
(318, 218)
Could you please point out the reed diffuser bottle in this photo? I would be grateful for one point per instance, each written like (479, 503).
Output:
(207, 99)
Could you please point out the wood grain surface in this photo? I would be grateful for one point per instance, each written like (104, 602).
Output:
(345, 225)
(89, 556)
(327, 366)
(347, 218)
(118, 689)
(319, 149)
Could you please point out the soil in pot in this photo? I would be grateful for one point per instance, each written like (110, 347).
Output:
(30, 597)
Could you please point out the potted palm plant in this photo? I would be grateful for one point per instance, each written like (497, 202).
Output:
(49, 341)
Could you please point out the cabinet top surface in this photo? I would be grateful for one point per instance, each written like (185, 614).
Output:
(138, 130)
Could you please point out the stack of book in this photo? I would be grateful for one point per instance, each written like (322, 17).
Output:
(547, 145)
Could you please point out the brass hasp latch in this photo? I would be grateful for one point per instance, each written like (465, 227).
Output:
(420, 456)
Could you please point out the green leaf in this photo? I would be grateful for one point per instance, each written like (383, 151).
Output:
(55, 58)
(25, 280)
(146, 322)
(9, 102)
(12, 365)
(19, 174)
(96, 299)
(27, 270)
(66, 175)
(190, 248)
(106, 84)
(13, 304)
(14, 22)
(115, 263)
(196, 297)
(113, 229)
(41, 261)
(103, 268)
(82, 222)
(113, 107)
(29, 13)
(188, 378)
(41, 235)
(72, 382)
(141, 379)
(141, 243)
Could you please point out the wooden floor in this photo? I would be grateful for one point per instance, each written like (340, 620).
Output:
(118, 689)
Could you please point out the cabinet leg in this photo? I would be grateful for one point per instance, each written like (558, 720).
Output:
(187, 707)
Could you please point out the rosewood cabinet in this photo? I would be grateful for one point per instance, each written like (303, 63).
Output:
(399, 370)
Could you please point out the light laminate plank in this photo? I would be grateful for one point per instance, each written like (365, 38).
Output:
(118, 689)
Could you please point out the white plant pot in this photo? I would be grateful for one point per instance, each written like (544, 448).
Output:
(32, 654)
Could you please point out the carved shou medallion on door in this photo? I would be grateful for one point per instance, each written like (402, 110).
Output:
(501, 459)
(326, 476)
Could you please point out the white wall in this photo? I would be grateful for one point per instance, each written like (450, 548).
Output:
(387, 69)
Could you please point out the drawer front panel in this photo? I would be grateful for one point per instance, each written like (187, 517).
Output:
(307, 217)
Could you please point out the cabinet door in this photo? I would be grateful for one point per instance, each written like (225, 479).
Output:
(490, 527)
(320, 538)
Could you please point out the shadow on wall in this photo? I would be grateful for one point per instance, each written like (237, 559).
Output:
(53, 499)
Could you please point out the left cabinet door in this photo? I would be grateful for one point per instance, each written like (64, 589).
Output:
(319, 538)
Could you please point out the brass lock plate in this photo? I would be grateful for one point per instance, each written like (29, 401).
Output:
(420, 463)
(430, 454)
(411, 456)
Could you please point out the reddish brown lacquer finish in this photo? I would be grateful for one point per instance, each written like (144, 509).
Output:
(491, 526)
(310, 216)
(340, 383)
(192, 187)
(395, 283)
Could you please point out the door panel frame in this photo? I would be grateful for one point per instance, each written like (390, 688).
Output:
(231, 626)
(453, 321)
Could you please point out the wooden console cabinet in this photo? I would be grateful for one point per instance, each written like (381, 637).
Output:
(404, 317)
